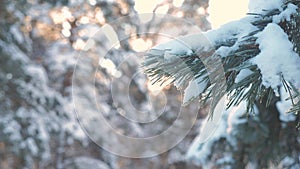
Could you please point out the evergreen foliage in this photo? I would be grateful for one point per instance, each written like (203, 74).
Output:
(252, 132)
(250, 89)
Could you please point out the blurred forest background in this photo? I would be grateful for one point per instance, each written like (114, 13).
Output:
(39, 43)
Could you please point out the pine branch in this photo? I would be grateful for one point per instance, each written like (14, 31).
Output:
(184, 68)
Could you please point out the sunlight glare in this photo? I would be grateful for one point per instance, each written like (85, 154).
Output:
(156, 88)
(221, 12)
(143, 6)
(177, 3)
(110, 67)
(140, 45)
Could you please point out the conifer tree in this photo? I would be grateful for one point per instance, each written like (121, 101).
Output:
(260, 58)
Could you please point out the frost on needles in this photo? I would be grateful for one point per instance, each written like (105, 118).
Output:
(259, 55)
(260, 58)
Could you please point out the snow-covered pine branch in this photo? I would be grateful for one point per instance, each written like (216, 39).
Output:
(260, 58)
(258, 53)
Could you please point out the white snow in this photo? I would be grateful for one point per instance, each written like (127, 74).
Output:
(286, 14)
(184, 45)
(38, 72)
(63, 57)
(241, 28)
(13, 129)
(224, 51)
(226, 159)
(15, 52)
(82, 162)
(283, 107)
(17, 33)
(173, 47)
(258, 6)
(72, 127)
(234, 116)
(242, 75)
(276, 57)
(286, 162)
(232, 30)
(32, 146)
(211, 131)
(199, 151)
(194, 89)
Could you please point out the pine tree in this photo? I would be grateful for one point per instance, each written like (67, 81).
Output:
(260, 59)
(33, 113)
(38, 45)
